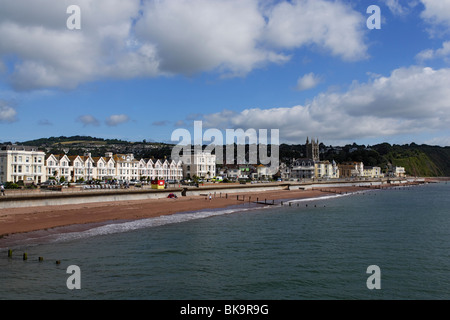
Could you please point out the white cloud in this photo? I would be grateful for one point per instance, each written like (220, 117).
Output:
(117, 119)
(308, 81)
(49, 55)
(128, 39)
(441, 53)
(324, 24)
(437, 13)
(88, 120)
(401, 7)
(7, 113)
(395, 6)
(202, 35)
(439, 141)
(409, 101)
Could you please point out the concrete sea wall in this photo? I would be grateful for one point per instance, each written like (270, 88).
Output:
(55, 198)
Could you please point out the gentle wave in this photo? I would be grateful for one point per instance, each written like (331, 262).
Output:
(170, 219)
(61, 234)
(120, 227)
(328, 197)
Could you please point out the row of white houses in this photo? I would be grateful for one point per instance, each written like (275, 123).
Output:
(30, 165)
(122, 167)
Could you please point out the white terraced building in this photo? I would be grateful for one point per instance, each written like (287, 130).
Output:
(28, 164)
(163, 170)
(122, 167)
(201, 164)
(21, 163)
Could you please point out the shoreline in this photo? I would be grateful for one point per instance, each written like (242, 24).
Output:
(32, 219)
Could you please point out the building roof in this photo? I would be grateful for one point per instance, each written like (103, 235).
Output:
(15, 147)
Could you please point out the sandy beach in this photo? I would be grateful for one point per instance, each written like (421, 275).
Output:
(21, 220)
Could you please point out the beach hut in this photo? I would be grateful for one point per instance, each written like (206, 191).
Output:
(158, 184)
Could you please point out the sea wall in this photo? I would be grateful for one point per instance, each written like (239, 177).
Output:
(67, 197)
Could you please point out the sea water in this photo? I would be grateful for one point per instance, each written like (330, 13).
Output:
(312, 249)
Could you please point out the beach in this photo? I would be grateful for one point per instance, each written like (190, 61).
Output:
(22, 220)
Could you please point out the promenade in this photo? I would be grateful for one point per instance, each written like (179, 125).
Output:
(79, 194)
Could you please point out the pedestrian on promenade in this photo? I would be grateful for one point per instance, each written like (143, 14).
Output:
(2, 188)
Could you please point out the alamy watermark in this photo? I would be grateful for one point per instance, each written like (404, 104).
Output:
(257, 142)
(73, 22)
(374, 280)
(374, 21)
(74, 280)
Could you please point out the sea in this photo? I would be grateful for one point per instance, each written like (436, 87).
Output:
(377, 244)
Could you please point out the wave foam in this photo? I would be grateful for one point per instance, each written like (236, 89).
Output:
(145, 223)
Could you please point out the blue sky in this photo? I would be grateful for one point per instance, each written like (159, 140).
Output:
(141, 69)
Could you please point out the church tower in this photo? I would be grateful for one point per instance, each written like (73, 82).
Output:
(312, 149)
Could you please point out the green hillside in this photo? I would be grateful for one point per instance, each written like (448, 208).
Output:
(417, 165)
(71, 140)
(418, 160)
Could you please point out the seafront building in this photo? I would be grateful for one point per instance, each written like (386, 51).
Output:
(303, 168)
(200, 164)
(22, 163)
(398, 172)
(311, 167)
(372, 172)
(28, 164)
(351, 169)
(326, 170)
(160, 170)
(120, 167)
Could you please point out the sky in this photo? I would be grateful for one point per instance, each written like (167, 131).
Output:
(140, 69)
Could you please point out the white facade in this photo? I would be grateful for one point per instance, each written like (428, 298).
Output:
(127, 167)
(123, 167)
(398, 171)
(30, 165)
(167, 170)
(265, 172)
(326, 169)
(100, 168)
(202, 164)
(22, 163)
(372, 172)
